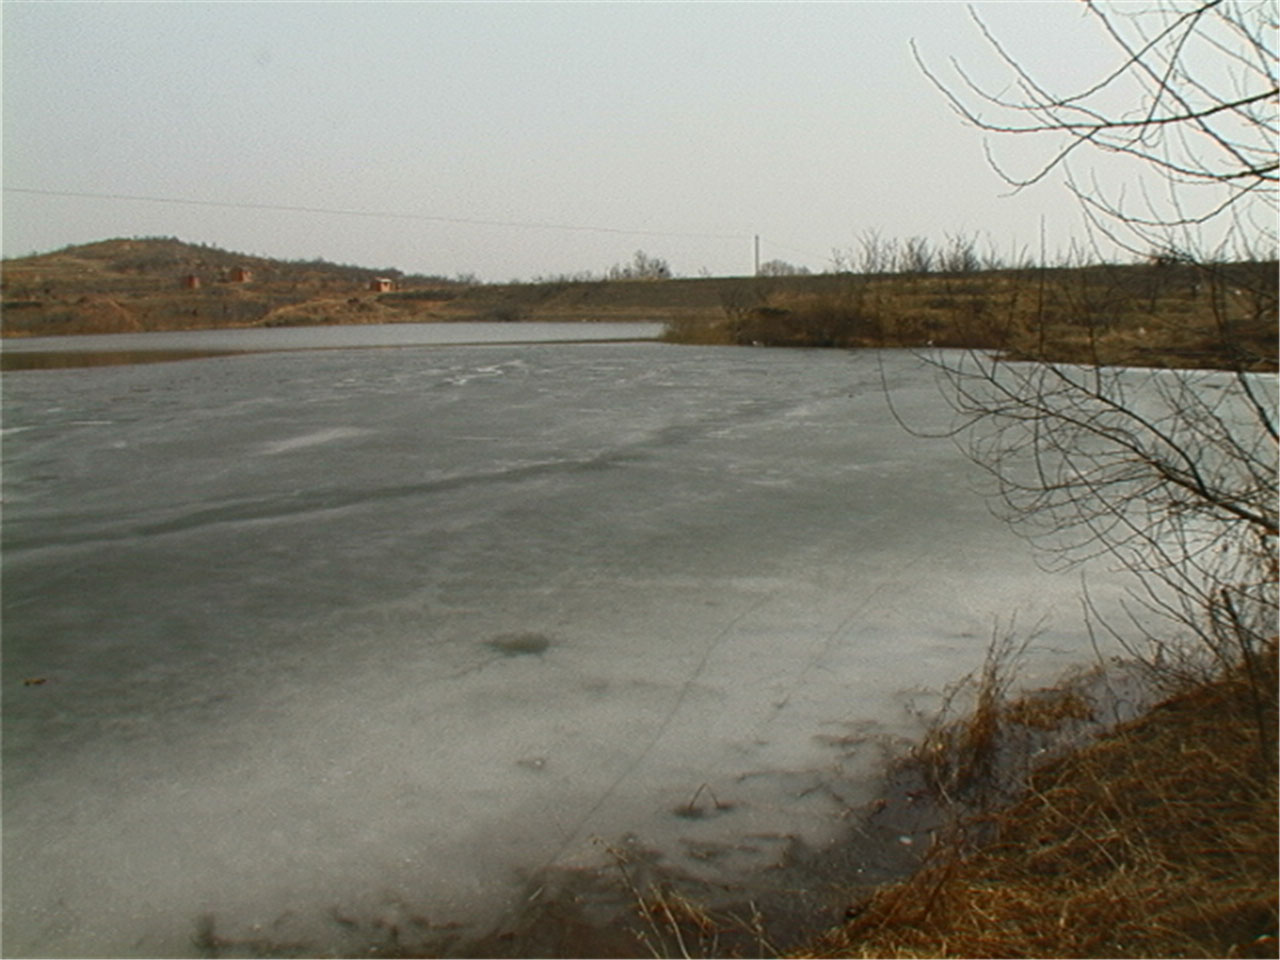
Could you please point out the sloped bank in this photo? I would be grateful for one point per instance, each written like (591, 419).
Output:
(1156, 840)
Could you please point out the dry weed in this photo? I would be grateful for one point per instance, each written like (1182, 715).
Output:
(674, 924)
(1158, 839)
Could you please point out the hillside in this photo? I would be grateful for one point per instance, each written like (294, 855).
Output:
(118, 286)
(152, 284)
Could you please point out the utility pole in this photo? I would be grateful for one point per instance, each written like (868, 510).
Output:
(757, 273)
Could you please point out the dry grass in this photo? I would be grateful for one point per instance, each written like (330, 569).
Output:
(1133, 315)
(1157, 840)
(669, 923)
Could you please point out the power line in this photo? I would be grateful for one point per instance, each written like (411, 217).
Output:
(376, 214)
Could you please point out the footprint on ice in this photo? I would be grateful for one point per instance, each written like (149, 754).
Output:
(519, 644)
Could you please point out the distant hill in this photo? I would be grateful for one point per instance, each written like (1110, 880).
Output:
(162, 283)
(167, 258)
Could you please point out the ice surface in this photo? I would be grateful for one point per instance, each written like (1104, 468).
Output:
(331, 634)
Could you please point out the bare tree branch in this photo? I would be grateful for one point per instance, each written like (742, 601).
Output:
(1171, 473)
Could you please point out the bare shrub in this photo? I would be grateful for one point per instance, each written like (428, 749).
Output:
(509, 311)
(780, 268)
(641, 267)
(1170, 473)
(1156, 840)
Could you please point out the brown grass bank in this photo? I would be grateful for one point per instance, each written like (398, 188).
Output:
(1172, 315)
(1157, 840)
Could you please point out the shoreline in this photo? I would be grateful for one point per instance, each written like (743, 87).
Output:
(659, 910)
(641, 905)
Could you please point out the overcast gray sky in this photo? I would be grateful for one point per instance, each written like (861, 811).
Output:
(684, 129)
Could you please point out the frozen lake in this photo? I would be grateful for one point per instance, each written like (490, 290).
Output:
(331, 636)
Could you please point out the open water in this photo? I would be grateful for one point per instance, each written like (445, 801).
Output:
(299, 641)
